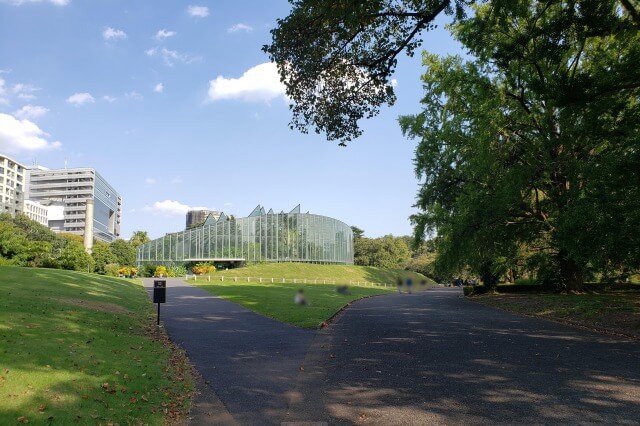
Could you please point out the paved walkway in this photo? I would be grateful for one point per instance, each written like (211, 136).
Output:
(247, 360)
(426, 358)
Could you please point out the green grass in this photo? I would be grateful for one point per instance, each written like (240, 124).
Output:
(340, 273)
(276, 300)
(76, 348)
(617, 311)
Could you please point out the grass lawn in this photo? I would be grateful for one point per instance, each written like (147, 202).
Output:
(79, 349)
(340, 273)
(617, 311)
(276, 300)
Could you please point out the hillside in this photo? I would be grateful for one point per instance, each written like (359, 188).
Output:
(340, 273)
(77, 348)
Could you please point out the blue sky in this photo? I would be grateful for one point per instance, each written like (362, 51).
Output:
(175, 104)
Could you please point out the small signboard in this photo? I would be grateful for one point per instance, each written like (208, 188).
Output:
(159, 291)
(159, 294)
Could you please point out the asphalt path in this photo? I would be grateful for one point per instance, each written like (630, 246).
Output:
(247, 361)
(436, 358)
(426, 358)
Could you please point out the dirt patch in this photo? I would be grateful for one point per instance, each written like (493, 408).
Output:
(97, 306)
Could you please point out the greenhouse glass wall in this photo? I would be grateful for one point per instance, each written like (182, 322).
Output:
(260, 237)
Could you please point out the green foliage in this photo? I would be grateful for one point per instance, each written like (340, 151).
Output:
(177, 271)
(139, 237)
(102, 256)
(385, 252)
(112, 270)
(124, 252)
(528, 144)
(74, 258)
(336, 58)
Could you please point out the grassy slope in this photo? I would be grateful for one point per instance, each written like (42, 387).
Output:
(614, 311)
(275, 300)
(340, 273)
(76, 349)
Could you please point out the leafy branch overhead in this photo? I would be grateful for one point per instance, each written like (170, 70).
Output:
(336, 58)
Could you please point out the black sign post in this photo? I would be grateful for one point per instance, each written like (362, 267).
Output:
(159, 294)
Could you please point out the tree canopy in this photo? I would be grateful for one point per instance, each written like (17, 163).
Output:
(530, 148)
(336, 58)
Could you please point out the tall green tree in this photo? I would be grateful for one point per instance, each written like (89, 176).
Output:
(534, 141)
(124, 252)
(139, 237)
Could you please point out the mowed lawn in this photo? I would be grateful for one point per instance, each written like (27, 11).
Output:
(339, 273)
(79, 349)
(275, 300)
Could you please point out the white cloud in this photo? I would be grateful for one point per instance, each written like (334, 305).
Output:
(3, 92)
(199, 11)
(31, 112)
(112, 33)
(171, 208)
(22, 135)
(21, 2)
(170, 57)
(134, 96)
(79, 99)
(240, 27)
(150, 181)
(25, 91)
(109, 99)
(158, 88)
(260, 83)
(176, 180)
(163, 34)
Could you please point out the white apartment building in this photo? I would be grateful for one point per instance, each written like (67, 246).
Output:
(12, 185)
(36, 211)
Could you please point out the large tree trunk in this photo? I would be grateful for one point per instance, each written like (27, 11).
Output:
(571, 273)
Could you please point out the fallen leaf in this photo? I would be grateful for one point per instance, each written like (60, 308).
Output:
(21, 419)
(41, 408)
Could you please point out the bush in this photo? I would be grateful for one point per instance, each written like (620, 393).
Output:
(112, 269)
(128, 271)
(203, 268)
(160, 271)
(177, 271)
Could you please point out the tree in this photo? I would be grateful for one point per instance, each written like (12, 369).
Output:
(530, 143)
(385, 252)
(139, 237)
(74, 257)
(336, 58)
(102, 256)
(124, 252)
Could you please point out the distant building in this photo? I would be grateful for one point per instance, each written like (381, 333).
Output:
(12, 186)
(65, 192)
(263, 236)
(36, 211)
(197, 217)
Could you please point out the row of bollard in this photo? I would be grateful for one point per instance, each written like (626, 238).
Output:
(295, 281)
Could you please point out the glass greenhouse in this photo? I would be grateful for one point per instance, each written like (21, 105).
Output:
(260, 237)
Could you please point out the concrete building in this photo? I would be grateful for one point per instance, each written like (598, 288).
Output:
(197, 217)
(36, 211)
(66, 191)
(12, 185)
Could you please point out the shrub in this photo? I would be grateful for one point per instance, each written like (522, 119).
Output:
(177, 271)
(203, 268)
(128, 271)
(112, 269)
(160, 271)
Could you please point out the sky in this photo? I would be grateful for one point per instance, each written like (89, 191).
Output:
(177, 107)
